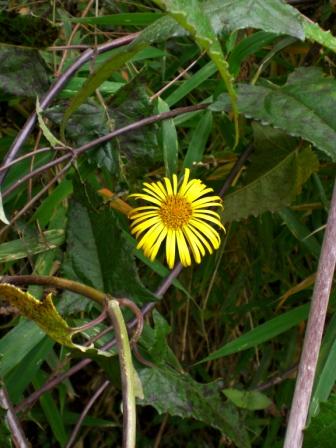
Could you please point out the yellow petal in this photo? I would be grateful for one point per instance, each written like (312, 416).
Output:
(191, 238)
(185, 181)
(146, 197)
(209, 218)
(183, 248)
(139, 228)
(157, 244)
(168, 186)
(201, 238)
(170, 248)
(156, 190)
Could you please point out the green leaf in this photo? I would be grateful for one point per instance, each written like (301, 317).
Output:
(248, 46)
(322, 430)
(51, 411)
(301, 107)
(154, 341)
(301, 232)
(325, 377)
(16, 382)
(98, 253)
(198, 141)
(17, 249)
(179, 394)
(44, 128)
(123, 19)
(315, 33)
(17, 343)
(252, 400)
(192, 83)
(272, 190)
(194, 18)
(169, 141)
(23, 72)
(262, 333)
(274, 16)
(47, 208)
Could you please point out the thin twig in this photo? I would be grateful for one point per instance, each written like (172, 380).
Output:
(277, 379)
(56, 88)
(29, 154)
(314, 331)
(235, 170)
(14, 425)
(126, 373)
(84, 413)
(105, 138)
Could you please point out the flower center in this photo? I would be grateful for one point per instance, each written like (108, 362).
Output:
(175, 212)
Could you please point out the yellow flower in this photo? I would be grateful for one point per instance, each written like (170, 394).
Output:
(178, 214)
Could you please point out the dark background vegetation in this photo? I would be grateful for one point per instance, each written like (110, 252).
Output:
(226, 337)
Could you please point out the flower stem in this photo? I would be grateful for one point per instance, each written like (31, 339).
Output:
(127, 373)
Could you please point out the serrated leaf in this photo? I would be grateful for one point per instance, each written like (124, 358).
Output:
(194, 18)
(245, 399)
(274, 189)
(314, 32)
(272, 15)
(45, 315)
(179, 394)
(322, 430)
(301, 107)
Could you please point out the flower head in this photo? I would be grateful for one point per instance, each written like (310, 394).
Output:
(178, 214)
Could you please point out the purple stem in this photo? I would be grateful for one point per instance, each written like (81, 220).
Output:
(314, 332)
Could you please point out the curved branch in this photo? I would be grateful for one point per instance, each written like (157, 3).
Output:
(55, 282)
(105, 138)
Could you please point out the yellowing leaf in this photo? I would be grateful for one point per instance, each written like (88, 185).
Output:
(44, 314)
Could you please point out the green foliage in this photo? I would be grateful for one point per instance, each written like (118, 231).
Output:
(322, 430)
(252, 400)
(23, 73)
(281, 106)
(178, 394)
(220, 340)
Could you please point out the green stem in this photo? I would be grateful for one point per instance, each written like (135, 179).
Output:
(126, 372)
(56, 282)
